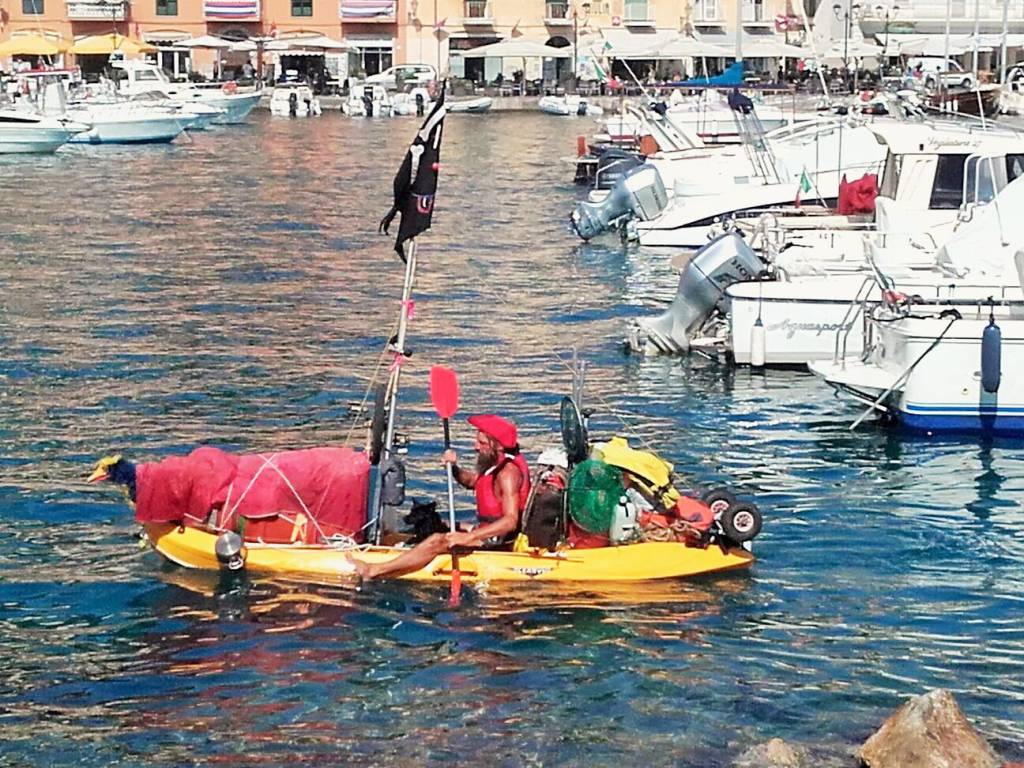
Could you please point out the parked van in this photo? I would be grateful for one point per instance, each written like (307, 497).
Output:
(936, 69)
(404, 74)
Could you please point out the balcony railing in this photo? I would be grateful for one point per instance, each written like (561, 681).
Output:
(556, 13)
(477, 12)
(88, 10)
(638, 13)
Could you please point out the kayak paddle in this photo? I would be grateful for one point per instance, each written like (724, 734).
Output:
(444, 394)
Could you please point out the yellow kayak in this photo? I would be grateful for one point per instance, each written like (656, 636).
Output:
(193, 548)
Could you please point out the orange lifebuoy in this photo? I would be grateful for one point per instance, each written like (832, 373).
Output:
(230, 87)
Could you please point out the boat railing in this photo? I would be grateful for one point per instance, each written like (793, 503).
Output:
(856, 309)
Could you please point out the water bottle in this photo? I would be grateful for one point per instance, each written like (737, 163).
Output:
(624, 525)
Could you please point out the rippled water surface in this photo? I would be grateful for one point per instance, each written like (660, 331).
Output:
(233, 290)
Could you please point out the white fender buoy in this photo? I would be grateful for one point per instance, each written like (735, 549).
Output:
(758, 344)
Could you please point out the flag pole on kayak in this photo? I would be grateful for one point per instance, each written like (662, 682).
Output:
(415, 187)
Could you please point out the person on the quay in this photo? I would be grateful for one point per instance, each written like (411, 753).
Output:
(500, 480)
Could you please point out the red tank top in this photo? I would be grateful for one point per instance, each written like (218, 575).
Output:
(488, 505)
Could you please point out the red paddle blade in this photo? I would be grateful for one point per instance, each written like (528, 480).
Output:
(444, 391)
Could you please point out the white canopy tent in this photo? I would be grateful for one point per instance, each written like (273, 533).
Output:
(318, 43)
(757, 46)
(205, 41)
(685, 47)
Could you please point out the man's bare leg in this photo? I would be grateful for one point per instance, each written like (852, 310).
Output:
(413, 560)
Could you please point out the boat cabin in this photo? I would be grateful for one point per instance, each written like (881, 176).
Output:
(944, 168)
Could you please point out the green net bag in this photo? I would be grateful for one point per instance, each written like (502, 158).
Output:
(594, 492)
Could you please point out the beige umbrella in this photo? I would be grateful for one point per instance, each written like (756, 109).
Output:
(106, 44)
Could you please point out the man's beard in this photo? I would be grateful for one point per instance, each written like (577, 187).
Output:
(485, 460)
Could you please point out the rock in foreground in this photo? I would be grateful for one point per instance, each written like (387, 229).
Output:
(929, 731)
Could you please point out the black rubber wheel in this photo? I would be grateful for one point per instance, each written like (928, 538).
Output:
(378, 424)
(741, 522)
(719, 499)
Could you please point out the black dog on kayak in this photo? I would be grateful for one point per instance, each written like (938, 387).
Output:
(425, 520)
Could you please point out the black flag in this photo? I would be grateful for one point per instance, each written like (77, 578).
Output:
(416, 180)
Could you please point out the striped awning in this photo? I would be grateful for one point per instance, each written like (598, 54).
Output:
(231, 9)
(354, 10)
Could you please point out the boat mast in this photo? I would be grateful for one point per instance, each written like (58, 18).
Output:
(974, 45)
(394, 379)
(1002, 52)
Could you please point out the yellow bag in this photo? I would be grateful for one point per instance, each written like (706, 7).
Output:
(650, 473)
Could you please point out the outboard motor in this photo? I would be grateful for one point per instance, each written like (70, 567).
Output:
(581, 109)
(293, 104)
(640, 192)
(613, 164)
(421, 106)
(722, 262)
(368, 102)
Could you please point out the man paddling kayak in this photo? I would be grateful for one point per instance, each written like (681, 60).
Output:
(501, 483)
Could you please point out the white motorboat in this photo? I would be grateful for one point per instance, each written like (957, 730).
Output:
(934, 180)
(415, 102)
(367, 100)
(939, 366)
(475, 106)
(22, 131)
(706, 115)
(294, 101)
(569, 106)
(708, 184)
(144, 76)
(193, 115)
(125, 122)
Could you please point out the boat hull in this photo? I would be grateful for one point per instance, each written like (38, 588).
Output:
(192, 548)
(236, 106)
(161, 130)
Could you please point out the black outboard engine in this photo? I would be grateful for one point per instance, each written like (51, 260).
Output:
(740, 103)
(613, 164)
(640, 192)
(368, 102)
(722, 262)
(421, 105)
(293, 104)
(581, 109)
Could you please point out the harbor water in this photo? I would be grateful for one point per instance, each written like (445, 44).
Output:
(233, 290)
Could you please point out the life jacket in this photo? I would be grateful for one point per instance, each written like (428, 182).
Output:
(488, 505)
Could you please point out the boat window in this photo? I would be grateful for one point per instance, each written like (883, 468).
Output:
(1014, 167)
(146, 74)
(891, 175)
(948, 188)
(981, 187)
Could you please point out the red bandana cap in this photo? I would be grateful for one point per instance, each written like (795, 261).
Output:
(502, 430)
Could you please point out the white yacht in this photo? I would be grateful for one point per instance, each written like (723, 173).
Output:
(367, 100)
(125, 122)
(707, 184)
(955, 364)
(820, 268)
(294, 100)
(22, 131)
(143, 76)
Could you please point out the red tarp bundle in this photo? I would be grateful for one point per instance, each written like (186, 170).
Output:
(259, 493)
(858, 196)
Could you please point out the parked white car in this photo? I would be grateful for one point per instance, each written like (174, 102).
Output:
(938, 70)
(408, 74)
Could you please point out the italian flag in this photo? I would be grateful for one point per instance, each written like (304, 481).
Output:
(803, 188)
